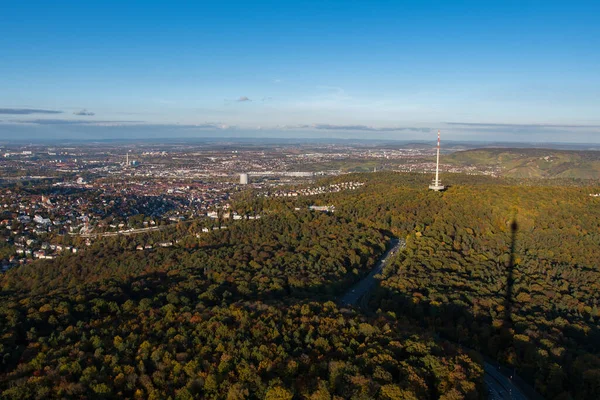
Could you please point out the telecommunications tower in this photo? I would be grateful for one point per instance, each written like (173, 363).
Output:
(437, 183)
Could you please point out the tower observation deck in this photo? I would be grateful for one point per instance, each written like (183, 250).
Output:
(437, 183)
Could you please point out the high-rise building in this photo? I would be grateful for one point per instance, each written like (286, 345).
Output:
(243, 179)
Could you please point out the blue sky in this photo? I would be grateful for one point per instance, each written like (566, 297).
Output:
(523, 70)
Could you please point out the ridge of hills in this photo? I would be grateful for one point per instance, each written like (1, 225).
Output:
(532, 163)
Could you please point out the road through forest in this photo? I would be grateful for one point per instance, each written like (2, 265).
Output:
(499, 386)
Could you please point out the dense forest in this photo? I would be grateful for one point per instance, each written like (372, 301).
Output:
(226, 314)
(285, 253)
(508, 269)
(528, 298)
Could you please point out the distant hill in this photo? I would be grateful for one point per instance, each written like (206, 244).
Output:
(532, 163)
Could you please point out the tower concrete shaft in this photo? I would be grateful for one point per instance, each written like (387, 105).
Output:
(437, 163)
(437, 183)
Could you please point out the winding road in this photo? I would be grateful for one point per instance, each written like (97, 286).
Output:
(499, 386)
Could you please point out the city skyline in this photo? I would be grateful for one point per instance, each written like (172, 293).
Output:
(389, 70)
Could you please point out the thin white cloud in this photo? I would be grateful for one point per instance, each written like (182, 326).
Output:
(27, 111)
(42, 121)
(519, 126)
(359, 128)
(99, 123)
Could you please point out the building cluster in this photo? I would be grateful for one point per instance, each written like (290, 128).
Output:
(333, 188)
(108, 207)
(427, 167)
(226, 214)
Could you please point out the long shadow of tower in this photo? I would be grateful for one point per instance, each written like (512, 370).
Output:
(508, 303)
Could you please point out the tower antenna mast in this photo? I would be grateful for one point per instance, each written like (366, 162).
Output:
(437, 183)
